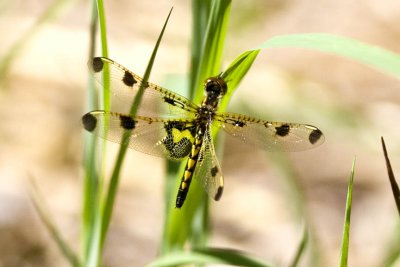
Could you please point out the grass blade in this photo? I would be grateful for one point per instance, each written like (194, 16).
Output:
(208, 256)
(392, 179)
(235, 72)
(373, 56)
(213, 43)
(344, 252)
(201, 13)
(300, 249)
(94, 179)
(108, 204)
(44, 215)
(91, 183)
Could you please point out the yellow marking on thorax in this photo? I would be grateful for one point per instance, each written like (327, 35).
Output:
(179, 135)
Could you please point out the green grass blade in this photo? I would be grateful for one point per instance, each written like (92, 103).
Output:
(373, 56)
(91, 186)
(201, 12)
(212, 45)
(208, 256)
(104, 51)
(344, 252)
(112, 188)
(94, 179)
(392, 179)
(300, 249)
(55, 234)
(235, 72)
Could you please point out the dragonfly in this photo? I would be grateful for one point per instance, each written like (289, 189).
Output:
(171, 126)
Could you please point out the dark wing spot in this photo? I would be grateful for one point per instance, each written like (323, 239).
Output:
(127, 122)
(282, 130)
(315, 135)
(173, 102)
(89, 122)
(169, 100)
(214, 171)
(218, 195)
(128, 79)
(240, 123)
(97, 64)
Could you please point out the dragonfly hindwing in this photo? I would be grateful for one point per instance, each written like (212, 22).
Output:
(179, 138)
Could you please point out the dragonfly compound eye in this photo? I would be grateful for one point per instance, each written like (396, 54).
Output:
(215, 86)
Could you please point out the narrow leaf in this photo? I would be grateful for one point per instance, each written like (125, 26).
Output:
(392, 179)
(300, 249)
(208, 256)
(346, 228)
(374, 56)
(236, 71)
(112, 188)
(44, 215)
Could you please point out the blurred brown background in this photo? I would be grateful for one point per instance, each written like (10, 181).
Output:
(43, 98)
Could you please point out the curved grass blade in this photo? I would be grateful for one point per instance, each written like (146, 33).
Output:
(91, 182)
(344, 252)
(94, 179)
(213, 42)
(373, 56)
(208, 256)
(201, 12)
(235, 72)
(392, 179)
(112, 188)
(44, 215)
(104, 51)
(300, 249)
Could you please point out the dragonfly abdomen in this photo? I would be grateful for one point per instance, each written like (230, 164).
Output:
(190, 167)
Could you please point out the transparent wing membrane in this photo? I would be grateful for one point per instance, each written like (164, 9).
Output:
(156, 101)
(271, 136)
(158, 137)
(208, 171)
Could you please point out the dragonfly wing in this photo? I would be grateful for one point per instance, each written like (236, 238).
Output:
(171, 138)
(208, 171)
(271, 136)
(124, 84)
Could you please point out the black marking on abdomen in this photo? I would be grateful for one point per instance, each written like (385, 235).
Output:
(315, 135)
(127, 122)
(97, 64)
(89, 122)
(282, 130)
(189, 170)
(128, 79)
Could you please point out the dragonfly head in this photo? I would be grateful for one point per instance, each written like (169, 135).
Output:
(215, 87)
